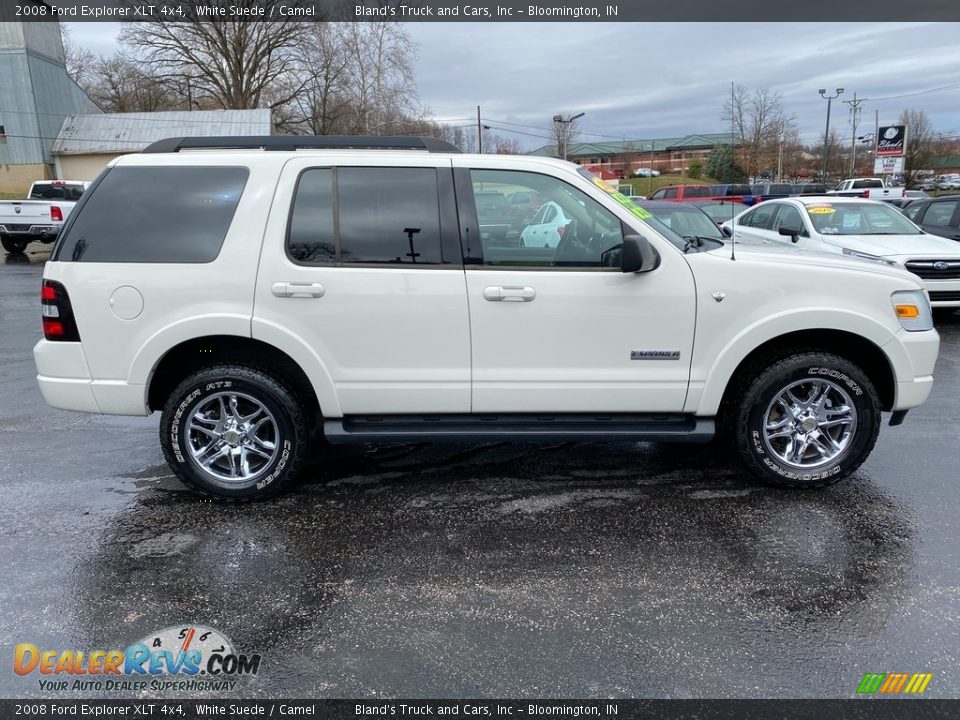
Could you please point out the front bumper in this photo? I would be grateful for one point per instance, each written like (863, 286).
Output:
(913, 355)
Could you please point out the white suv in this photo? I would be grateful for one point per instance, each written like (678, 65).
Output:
(273, 294)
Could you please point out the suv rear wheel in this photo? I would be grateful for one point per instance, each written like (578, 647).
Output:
(234, 432)
(807, 420)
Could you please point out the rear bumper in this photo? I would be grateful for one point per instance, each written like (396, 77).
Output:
(65, 383)
(35, 232)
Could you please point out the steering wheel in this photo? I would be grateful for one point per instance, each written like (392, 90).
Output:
(569, 249)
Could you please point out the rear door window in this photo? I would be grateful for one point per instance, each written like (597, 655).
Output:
(155, 215)
(940, 213)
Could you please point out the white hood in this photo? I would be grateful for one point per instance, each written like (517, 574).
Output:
(897, 246)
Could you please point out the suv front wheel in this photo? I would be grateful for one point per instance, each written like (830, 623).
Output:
(234, 432)
(807, 420)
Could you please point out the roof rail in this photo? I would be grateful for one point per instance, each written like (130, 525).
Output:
(297, 142)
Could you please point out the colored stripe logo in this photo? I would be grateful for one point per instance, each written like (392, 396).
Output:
(894, 683)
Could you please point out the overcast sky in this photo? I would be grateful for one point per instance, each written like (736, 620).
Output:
(638, 80)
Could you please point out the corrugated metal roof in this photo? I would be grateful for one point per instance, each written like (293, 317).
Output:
(130, 132)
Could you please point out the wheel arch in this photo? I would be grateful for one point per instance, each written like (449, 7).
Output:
(862, 351)
(196, 353)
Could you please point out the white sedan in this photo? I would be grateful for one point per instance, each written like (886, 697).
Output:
(866, 229)
(547, 227)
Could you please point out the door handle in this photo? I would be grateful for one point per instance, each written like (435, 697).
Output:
(509, 293)
(298, 289)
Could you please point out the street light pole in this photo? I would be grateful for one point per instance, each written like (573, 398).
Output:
(826, 133)
(565, 124)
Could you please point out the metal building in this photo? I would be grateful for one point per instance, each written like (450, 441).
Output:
(86, 143)
(36, 94)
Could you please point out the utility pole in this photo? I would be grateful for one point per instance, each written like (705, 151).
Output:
(855, 122)
(783, 129)
(479, 132)
(826, 133)
(564, 134)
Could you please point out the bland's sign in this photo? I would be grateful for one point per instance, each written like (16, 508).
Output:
(892, 141)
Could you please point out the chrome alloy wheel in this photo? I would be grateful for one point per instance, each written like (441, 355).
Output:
(232, 437)
(809, 423)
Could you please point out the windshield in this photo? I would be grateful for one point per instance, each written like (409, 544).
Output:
(859, 219)
(721, 212)
(687, 221)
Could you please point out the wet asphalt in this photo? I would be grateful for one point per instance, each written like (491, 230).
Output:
(495, 570)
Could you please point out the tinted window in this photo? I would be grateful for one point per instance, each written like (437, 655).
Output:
(668, 193)
(789, 217)
(912, 211)
(940, 213)
(389, 215)
(695, 191)
(760, 217)
(52, 191)
(156, 214)
(864, 184)
(311, 238)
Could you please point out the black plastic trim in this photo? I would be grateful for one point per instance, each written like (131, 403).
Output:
(301, 142)
(544, 427)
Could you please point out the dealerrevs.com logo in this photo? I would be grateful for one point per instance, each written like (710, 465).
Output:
(894, 683)
(181, 657)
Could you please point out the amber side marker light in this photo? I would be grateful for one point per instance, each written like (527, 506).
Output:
(907, 311)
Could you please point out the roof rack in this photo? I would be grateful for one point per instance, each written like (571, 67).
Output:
(297, 142)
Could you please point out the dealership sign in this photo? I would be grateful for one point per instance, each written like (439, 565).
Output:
(888, 165)
(892, 141)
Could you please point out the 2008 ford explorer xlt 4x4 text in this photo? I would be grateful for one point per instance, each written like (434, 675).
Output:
(269, 295)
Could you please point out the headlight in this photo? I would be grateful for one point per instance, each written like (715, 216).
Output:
(912, 310)
(868, 256)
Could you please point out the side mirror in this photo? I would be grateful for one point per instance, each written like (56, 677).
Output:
(727, 232)
(791, 233)
(638, 255)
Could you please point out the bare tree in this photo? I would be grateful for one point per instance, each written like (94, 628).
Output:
(380, 86)
(758, 121)
(80, 62)
(227, 64)
(499, 145)
(119, 84)
(924, 146)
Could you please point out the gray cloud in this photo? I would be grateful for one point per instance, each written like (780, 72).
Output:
(660, 79)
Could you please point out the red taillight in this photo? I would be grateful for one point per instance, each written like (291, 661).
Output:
(865, 193)
(57, 314)
(56, 213)
(53, 329)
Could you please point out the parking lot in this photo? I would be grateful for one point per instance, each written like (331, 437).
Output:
(575, 570)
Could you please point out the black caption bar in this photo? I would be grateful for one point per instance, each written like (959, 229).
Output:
(818, 11)
(857, 709)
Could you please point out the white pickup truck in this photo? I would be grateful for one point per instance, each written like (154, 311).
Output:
(871, 188)
(40, 216)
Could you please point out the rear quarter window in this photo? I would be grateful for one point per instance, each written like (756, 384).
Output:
(155, 215)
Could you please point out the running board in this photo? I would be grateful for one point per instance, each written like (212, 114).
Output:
(518, 427)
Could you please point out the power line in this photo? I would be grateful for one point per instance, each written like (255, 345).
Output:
(951, 86)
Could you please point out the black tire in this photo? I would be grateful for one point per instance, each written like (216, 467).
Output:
(287, 424)
(14, 247)
(805, 371)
